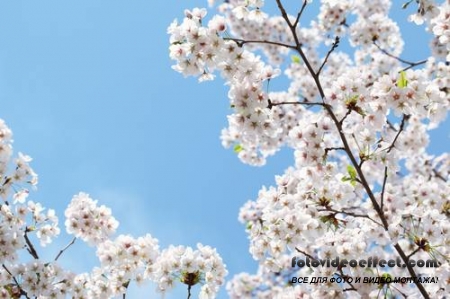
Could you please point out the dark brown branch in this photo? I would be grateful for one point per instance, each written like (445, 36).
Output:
(411, 64)
(272, 104)
(189, 292)
(403, 294)
(399, 131)
(352, 287)
(347, 146)
(299, 15)
(384, 186)
(402, 127)
(435, 172)
(333, 117)
(328, 149)
(305, 254)
(391, 126)
(438, 175)
(411, 271)
(65, 248)
(334, 212)
(298, 47)
(22, 292)
(242, 42)
(345, 116)
(30, 247)
(333, 47)
(413, 253)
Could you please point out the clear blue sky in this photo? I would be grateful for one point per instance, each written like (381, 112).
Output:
(88, 90)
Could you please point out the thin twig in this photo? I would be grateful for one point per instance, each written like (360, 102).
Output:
(22, 292)
(328, 149)
(435, 172)
(241, 42)
(30, 247)
(65, 248)
(391, 126)
(272, 104)
(345, 116)
(352, 287)
(438, 175)
(350, 214)
(402, 126)
(413, 253)
(411, 64)
(189, 291)
(298, 47)
(403, 294)
(304, 253)
(389, 149)
(333, 47)
(299, 15)
(384, 186)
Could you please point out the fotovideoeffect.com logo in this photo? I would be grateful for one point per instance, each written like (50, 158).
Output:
(371, 262)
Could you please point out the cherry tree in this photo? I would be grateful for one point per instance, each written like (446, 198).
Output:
(363, 184)
(358, 120)
(123, 259)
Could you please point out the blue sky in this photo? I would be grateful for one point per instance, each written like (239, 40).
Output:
(88, 90)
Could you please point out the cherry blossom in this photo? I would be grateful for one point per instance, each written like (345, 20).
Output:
(122, 261)
(363, 183)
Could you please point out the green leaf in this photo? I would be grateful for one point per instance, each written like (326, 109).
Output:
(249, 225)
(402, 82)
(295, 59)
(238, 148)
(351, 175)
(351, 172)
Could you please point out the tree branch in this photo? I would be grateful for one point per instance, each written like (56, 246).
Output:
(329, 149)
(299, 15)
(22, 292)
(333, 47)
(410, 63)
(350, 214)
(242, 42)
(352, 287)
(272, 104)
(402, 127)
(344, 140)
(30, 247)
(189, 292)
(384, 186)
(438, 175)
(65, 248)
(400, 130)
(413, 253)
(305, 254)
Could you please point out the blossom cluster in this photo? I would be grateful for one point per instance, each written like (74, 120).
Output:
(191, 267)
(123, 260)
(199, 51)
(87, 221)
(363, 181)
